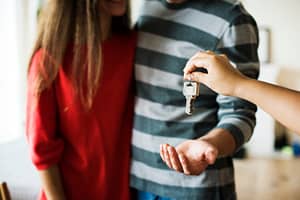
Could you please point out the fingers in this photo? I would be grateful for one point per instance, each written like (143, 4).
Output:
(175, 162)
(199, 77)
(196, 62)
(170, 157)
(161, 151)
(165, 155)
(189, 66)
(203, 60)
(184, 164)
(180, 162)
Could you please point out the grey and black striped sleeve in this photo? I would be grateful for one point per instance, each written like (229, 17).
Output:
(239, 42)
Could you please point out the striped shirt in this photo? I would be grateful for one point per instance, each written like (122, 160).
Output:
(169, 35)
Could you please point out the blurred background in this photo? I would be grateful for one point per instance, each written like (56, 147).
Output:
(268, 167)
(17, 33)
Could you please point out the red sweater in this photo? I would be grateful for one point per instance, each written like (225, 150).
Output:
(91, 149)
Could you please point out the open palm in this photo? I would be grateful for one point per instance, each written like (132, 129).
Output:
(190, 157)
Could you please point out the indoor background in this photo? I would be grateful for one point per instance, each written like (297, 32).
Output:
(269, 167)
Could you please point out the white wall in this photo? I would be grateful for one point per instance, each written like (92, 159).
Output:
(17, 31)
(135, 6)
(282, 17)
(10, 108)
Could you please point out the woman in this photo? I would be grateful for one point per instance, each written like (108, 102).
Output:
(79, 106)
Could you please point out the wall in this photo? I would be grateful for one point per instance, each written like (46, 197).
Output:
(10, 108)
(17, 22)
(135, 5)
(282, 17)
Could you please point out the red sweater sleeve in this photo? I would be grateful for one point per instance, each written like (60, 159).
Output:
(46, 146)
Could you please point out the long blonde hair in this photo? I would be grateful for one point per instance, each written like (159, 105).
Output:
(75, 22)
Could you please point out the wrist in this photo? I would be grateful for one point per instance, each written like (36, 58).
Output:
(222, 140)
(212, 142)
(240, 87)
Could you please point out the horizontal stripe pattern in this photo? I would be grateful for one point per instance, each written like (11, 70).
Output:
(244, 127)
(176, 48)
(209, 178)
(172, 129)
(185, 193)
(226, 10)
(140, 140)
(170, 97)
(187, 17)
(163, 62)
(239, 35)
(177, 31)
(240, 53)
(158, 77)
(162, 112)
(237, 116)
(153, 159)
(168, 36)
(155, 77)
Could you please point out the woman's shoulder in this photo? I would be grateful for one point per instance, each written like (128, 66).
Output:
(39, 55)
(35, 61)
(36, 56)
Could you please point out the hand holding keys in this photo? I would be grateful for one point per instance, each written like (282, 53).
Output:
(190, 91)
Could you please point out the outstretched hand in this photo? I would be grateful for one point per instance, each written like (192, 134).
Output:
(190, 157)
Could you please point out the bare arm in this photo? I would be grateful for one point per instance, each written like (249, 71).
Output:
(52, 184)
(282, 103)
(222, 140)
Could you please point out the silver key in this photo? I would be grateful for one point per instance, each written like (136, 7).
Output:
(190, 91)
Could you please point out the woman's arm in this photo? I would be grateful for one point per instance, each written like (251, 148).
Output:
(282, 103)
(52, 184)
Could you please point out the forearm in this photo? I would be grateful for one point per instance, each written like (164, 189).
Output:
(282, 103)
(52, 184)
(222, 140)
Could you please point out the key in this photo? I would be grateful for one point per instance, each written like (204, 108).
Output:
(190, 91)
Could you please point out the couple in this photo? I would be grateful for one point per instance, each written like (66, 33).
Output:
(81, 103)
